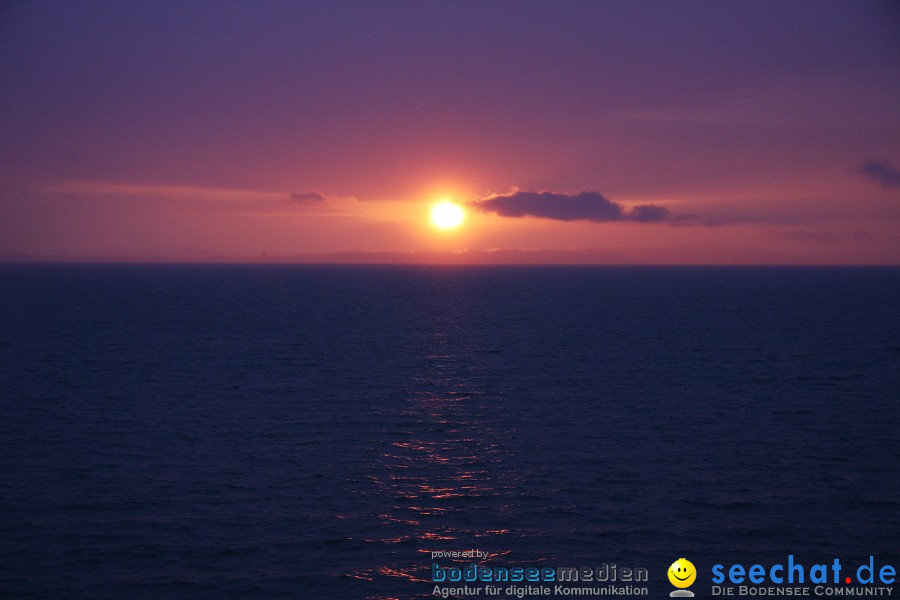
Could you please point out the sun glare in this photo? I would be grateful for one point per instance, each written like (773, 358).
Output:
(447, 215)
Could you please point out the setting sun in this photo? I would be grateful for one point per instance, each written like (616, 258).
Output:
(447, 215)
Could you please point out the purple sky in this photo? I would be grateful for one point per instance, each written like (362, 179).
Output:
(647, 132)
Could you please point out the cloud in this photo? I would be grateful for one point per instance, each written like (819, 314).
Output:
(880, 171)
(309, 198)
(586, 206)
(648, 213)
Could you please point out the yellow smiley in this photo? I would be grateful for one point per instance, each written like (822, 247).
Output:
(682, 573)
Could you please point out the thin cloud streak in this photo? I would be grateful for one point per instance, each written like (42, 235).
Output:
(824, 237)
(106, 188)
(308, 198)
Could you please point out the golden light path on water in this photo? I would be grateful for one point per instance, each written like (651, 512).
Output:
(443, 472)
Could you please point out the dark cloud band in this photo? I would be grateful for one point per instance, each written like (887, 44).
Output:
(881, 171)
(586, 206)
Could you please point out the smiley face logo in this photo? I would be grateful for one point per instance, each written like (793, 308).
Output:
(682, 573)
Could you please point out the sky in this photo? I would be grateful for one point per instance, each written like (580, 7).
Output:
(613, 132)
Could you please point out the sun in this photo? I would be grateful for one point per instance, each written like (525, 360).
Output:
(447, 215)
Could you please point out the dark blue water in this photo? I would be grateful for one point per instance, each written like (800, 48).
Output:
(315, 432)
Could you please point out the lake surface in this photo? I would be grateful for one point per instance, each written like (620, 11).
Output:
(317, 431)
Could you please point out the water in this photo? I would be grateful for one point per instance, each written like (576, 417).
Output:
(315, 432)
